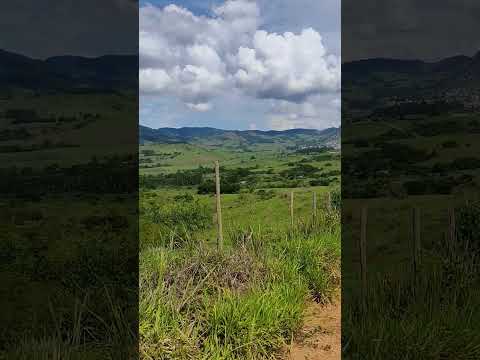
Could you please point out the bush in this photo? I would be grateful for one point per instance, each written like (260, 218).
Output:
(240, 303)
(320, 182)
(265, 194)
(226, 187)
(468, 226)
(336, 198)
(172, 224)
(186, 197)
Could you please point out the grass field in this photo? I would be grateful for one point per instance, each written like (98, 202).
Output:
(66, 293)
(69, 234)
(247, 299)
(74, 134)
(169, 158)
(430, 311)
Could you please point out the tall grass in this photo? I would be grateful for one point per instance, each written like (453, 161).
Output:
(243, 302)
(74, 296)
(433, 314)
(82, 333)
(172, 224)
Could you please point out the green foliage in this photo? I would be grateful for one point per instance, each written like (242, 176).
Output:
(336, 198)
(226, 187)
(180, 178)
(414, 318)
(314, 150)
(432, 313)
(172, 223)
(245, 301)
(148, 152)
(299, 170)
(186, 197)
(255, 325)
(320, 182)
(265, 194)
(468, 226)
(242, 302)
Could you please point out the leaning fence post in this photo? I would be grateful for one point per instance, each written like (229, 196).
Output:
(416, 220)
(451, 227)
(291, 209)
(363, 255)
(219, 206)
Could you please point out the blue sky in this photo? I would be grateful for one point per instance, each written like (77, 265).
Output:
(196, 6)
(240, 64)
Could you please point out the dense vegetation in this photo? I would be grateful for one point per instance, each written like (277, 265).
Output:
(241, 302)
(247, 299)
(429, 314)
(69, 193)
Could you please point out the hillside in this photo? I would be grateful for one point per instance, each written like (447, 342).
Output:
(68, 73)
(237, 138)
(379, 83)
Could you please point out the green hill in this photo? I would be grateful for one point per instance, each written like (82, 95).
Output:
(294, 138)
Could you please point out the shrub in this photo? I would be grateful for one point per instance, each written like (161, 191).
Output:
(173, 223)
(320, 182)
(226, 187)
(336, 198)
(468, 226)
(265, 194)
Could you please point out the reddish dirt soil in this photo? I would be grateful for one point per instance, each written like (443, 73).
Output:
(320, 337)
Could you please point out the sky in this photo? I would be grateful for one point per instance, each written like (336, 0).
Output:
(429, 30)
(41, 29)
(240, 64)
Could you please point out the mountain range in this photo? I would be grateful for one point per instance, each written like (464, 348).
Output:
(121, 71)
(212, 136)
(68, 73)
(447, 68)
(371, 83)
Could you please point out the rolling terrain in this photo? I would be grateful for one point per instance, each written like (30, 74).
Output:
(258, 294)
(410, 165)
(68, 154)
(71, 74)
(243, 140)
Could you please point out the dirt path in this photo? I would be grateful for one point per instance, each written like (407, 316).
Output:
(320, 338)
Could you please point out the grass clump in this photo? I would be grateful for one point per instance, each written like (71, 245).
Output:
(255, 325)
(430, 314)
(242, 302)
(172, 223)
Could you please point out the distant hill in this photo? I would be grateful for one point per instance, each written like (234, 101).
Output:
(237, 138)
(380, 82)
(68, 73)
(445, 69)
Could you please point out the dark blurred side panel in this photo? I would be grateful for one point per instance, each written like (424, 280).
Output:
(410, 180)
(68, 179)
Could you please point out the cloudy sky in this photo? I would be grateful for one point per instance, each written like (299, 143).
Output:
(410, 29)
(41, 29)
(240, 64)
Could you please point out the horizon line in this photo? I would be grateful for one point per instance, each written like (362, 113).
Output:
(216, 128)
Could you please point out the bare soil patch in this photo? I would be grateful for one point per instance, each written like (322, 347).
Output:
(320, 337)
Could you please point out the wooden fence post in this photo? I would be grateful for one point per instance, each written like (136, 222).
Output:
(363, 255)
(329, 201)
(219, 206)
(452, 231)
(291, 209)
(314, 205)
(416, 220)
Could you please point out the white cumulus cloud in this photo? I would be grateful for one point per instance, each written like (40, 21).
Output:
(200, 106)
(287, 66)
(317, 111)
(197, 58)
